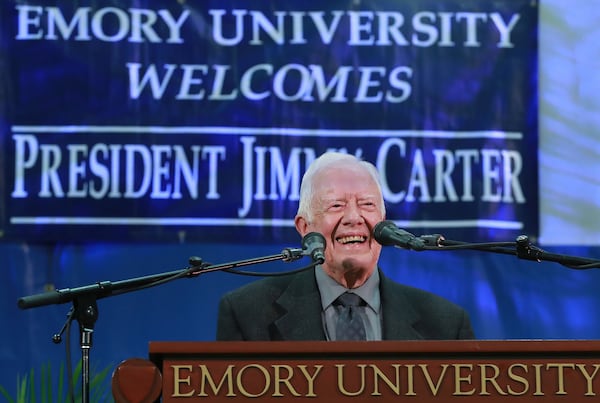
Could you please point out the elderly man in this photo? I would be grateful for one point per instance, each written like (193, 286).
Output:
(348, 296)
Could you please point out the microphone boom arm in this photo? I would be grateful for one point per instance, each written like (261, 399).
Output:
(84, 299)
(522, 248)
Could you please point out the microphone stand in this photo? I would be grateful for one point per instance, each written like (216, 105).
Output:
(85, 307)
(526, 250)
(522, 248)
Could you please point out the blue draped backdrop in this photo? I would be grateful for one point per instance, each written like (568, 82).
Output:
(71, 104)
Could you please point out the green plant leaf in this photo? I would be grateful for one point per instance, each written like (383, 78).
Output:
(61, 381)
(6, 395)
(31, 391)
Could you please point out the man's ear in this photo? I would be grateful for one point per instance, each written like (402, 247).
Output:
(301, 225)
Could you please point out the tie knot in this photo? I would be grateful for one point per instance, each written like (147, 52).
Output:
(349, 299)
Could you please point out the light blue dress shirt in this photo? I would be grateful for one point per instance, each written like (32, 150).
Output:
(369, 292)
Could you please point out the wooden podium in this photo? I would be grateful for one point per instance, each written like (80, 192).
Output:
(385, 371)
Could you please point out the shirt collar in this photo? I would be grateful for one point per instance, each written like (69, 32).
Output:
(331, 289)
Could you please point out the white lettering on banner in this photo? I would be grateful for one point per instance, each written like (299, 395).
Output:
(375, 83)
(156, 171)
(268, 173)
(365, 28)
(360, 28)
(133, 24)
(285, 81)
(284, 183)
(498, 170)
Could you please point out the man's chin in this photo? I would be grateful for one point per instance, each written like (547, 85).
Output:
(356, 264)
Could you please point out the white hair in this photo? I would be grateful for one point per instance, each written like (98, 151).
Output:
(328, 160)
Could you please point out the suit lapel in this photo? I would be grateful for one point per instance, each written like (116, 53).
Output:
(398, 315)
(301, 311)
(301, 305)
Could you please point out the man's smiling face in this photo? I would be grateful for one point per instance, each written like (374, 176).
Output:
(346, 205)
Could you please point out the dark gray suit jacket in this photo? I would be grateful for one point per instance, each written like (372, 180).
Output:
(289, 308)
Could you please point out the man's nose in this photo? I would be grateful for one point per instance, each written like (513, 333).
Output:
(352, 214)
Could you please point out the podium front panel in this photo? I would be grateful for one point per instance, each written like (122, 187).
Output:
(423, 371)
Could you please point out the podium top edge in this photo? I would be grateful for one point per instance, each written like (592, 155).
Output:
(412, 347)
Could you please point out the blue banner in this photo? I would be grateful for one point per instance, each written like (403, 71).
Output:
(158, 121)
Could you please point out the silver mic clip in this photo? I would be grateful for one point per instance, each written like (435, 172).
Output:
(292, 254)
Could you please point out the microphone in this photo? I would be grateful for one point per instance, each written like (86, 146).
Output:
(313, 244)
(387, 234)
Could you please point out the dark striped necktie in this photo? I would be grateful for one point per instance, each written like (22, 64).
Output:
(349, 324)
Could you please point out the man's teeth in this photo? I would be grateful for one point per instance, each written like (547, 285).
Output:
(349, 239)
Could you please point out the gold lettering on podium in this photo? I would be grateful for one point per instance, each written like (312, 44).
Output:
(240, 380)
(410, 380)
(341, 382)
(378, 374)
(459, 379)
(589, 378)
(177, 380)
(434, 387)
(279, 379)
(390, 379)
(561, 375)
(538, 379)
(493, 380)
(518, 378)
(310, 378)
(205, 376)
